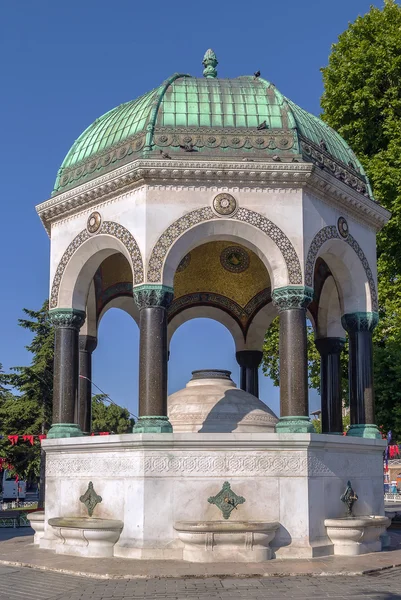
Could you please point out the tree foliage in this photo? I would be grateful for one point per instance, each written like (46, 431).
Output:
(26, 400)
(109, 417)
(362, 101)
(26, 395)
(271, 361)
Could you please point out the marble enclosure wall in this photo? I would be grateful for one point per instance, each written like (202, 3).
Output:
(152, 481)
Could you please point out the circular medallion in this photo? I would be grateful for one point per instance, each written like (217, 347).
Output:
(94, 222)
(184, 263)
(225, 204)
(234, 259)
(343, 227)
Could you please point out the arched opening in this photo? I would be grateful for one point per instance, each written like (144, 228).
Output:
(203, 343)
(116, 359)
(229, 230)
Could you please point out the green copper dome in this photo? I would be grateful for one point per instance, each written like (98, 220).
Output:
(204, 118)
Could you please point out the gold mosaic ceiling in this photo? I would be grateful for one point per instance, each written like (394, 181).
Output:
(115, 269)
(224, 268)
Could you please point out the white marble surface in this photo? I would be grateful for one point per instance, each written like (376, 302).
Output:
(220, 541)
(151, 481)
(37, 522)
(216, 405)
(353, 536)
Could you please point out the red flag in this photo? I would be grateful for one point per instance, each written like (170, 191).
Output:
(13, 439)
(28, 438)
(41, 437)
(104, 433)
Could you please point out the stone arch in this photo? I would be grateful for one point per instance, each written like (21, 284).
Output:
(329, 311)
(259, 325)
(359, 278)
(124, 303)
(280, 249)
(206, 312)
(111, 237)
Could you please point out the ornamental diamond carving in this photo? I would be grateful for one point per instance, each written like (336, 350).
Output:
(91, 499)
(226, 500)
(110, 228)
(200, 215)
(331, 232)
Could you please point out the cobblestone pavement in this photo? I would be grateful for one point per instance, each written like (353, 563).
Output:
(30, 584)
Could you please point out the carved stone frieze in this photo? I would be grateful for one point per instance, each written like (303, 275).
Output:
(200, 215)
(346, 173)
(230, 138)
(122, 152)
(221, 464)
(331, 232)
(110, 228)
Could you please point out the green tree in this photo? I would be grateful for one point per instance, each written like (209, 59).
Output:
(26, 396)
(109, 417)
(362, 101)
(271, 362)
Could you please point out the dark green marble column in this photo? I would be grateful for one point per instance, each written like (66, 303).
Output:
(87, 344)
(291, 302)
(153, 301)
(330, 383)
(361, 393)
(67, 322)
(249, 361)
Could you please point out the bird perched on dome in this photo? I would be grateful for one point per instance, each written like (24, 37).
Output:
(262, 125)
(256, 74)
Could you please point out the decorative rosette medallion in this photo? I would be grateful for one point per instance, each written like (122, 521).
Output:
(225, 205)
(234, 259)
(94, 222)
(343, 227)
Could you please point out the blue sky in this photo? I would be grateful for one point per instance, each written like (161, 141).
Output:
(65, 64)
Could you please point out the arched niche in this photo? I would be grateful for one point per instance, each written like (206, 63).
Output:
(329, 311)
(349, 268)
(82, 258)
(279, 257)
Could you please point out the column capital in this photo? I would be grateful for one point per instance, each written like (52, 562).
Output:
(292, 296)
(359, 321)
(67, 318)
(87, 343)
(249, 359)
(151, 295)
(329, 345)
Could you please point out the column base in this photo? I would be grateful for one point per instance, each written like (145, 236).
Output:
(152, 425)
(364, 430)
(64, 430)
(294, 425)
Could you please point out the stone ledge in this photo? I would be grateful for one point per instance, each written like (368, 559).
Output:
(20, 552)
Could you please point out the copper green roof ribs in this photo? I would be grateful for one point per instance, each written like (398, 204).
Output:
(230, 107)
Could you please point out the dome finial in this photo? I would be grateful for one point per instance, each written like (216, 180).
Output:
(210, 62)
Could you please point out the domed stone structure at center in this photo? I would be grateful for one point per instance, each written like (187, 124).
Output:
(211, 403)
